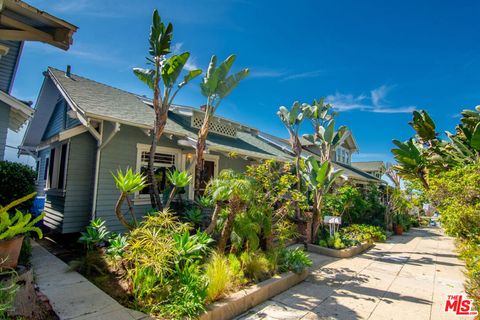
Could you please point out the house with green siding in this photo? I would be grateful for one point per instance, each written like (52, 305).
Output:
(82, 131)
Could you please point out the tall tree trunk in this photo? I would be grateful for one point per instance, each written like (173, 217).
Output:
(317, 217)
(199, 161)
(158, 127)
(213, 223)
(423, 178)
(228, 225)
(170, 197)
(152, 182)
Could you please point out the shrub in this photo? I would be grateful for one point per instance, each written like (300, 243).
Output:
(162, 261)
(219, 276)
(116, 246)
(296, 260)
(364, 232)
(337, 241)
(255, 265)
(194, 215)
(16, 181)
(95, 234)
(236, 268)
(8, 290)
(187, 296)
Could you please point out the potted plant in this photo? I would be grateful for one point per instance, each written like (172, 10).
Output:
(13, 228)
(398, 225)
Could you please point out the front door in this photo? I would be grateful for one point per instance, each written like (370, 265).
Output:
(208, 173)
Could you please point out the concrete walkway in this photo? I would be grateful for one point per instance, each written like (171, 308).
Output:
(71, 295)
(408, 277)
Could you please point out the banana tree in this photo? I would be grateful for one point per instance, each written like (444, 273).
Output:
(166, 69)
(292, 120)
(323, 121)
(424, 126)
(128, 183)
(411, 161)
(216, 85)
(319, 178)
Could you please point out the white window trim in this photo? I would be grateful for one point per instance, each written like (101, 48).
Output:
(179, 164)
(56, 169)
(208, 157)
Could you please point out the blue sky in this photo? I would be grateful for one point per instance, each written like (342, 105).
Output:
(375, 61)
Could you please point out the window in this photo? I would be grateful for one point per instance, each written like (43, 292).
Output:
(45, 170)
(165, 160)
(56, 167)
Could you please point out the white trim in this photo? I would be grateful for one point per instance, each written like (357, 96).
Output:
(61, 136)
(141, 147)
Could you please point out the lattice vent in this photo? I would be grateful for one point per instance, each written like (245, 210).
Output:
(215, 126)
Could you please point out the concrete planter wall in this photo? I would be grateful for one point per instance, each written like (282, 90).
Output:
(248, 298)
(342, 253)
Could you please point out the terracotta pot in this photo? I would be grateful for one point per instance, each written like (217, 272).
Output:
(10, 251)
(398, 229)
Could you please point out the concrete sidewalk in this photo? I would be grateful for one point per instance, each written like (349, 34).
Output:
(71, 295)
(408, 277)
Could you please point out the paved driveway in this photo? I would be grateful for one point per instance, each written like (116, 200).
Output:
(408, 277)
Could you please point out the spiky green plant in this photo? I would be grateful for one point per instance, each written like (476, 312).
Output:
(179, 179)
(20, 223)
(128, 183)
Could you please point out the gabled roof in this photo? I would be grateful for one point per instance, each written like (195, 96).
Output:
(369, 165)
(93, 101)
(19, 111)
(355, 173)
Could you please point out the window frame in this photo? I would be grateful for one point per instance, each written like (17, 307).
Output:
(140, 199)
(56, 170)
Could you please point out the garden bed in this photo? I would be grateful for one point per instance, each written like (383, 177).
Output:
(243, 300)
(342, 253)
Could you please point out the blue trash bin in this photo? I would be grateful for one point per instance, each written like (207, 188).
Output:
(37, 208)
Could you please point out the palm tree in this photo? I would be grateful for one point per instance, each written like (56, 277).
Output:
(166, 70)
(319, 178)
(236, 191)
(216, 85)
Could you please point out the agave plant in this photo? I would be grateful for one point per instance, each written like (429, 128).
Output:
(216, 85)
(319, 178)
(179, 179)
(20, 223)
(128, 183)
(95, 234)
(166, 69)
